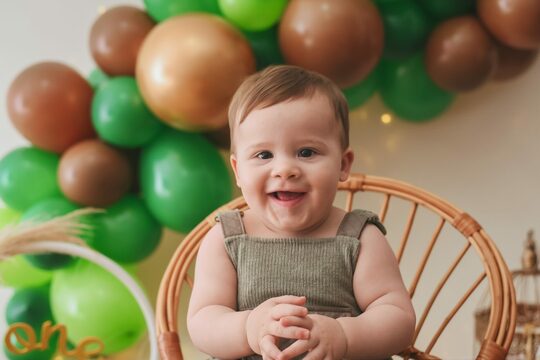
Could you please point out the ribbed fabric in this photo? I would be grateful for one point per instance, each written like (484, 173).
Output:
(319, 268)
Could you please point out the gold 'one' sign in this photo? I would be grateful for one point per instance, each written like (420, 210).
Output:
(29, 342)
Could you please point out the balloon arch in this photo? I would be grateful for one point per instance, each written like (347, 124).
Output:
(140, 136)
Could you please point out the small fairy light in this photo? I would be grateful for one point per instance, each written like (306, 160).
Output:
(101, 9)
(386, 119)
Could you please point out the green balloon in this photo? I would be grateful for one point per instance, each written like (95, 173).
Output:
(46, 210)
(406, 27)
(8, 217)
(444, 9)
(358, 94)
(90, 301)
(120, 115)
(17, 272)
(408, 91)
(161, 10)
(253, 15)
(265, 45)
(183, 179)
(28, 175)
(31, 306)
(127, 232)
(97, 78)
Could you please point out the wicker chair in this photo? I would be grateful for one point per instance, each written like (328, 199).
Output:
(411, 204)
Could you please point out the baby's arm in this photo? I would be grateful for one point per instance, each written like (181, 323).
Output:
(215, 327)
(387, 324)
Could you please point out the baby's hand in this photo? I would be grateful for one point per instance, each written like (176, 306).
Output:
(327, 341)
(264, 325)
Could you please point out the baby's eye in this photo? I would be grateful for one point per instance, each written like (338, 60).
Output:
(264, 155)
(306, 153)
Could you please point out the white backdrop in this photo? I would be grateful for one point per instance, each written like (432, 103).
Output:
(483, 154)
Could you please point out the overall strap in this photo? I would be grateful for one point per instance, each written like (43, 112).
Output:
(354, 222)
(231, 223)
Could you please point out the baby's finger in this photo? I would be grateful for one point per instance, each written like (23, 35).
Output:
(303, 322)
(281, 310)
(287, 332)
(299, 347)
(289, 299)
(317, 354)
(269, 350)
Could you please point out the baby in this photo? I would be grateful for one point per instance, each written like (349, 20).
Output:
(294, 276)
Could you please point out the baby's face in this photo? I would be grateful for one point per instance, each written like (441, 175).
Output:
(288, 161)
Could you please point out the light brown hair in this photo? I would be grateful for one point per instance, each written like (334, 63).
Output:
(280, 83)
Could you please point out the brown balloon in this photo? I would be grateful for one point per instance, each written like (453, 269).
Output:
(460, 54)
(512, 62)
(116, 37)
(515, 23)
(50, 104)
(340, 39)
(93, 173)
(189, 68)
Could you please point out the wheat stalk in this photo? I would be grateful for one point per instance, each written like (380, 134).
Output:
(67, 228)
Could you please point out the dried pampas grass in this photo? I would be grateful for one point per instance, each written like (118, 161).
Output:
(67, 228)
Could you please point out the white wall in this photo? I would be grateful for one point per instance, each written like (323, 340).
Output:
(483, 154)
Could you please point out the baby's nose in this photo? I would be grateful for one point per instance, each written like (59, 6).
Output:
(285, 169)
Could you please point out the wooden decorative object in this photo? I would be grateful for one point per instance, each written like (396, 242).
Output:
(526, 342)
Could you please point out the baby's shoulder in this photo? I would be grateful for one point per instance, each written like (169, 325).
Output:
(213, 238)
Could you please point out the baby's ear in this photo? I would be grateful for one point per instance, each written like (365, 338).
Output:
(347, 159)
(233, 161)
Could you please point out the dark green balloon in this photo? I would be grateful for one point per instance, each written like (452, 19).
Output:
(406, 27)
(358, 94)
(127, 232)
(444, 9)
(161, 10)
(45, 210)
(28, 175)
(409, 92)
(97, 78)
(120, 115)
(265, 46)
(183, 179)
(31, 306)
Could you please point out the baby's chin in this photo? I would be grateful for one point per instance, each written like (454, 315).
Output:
(293, 226)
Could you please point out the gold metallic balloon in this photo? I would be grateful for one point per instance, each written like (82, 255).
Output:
(189, 68)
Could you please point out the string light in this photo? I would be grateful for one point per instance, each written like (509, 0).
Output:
(386, 118)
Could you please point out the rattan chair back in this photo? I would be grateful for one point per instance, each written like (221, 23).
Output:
(435, 309)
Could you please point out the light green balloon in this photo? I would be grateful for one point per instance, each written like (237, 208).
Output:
(90, 301)
(8, 216)
(253, 15)
(17, 272)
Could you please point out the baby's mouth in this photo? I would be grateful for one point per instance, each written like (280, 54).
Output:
(287, 195)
